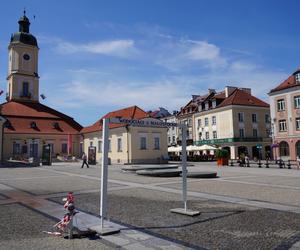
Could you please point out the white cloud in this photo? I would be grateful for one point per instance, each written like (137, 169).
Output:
(78, 94)
(203, 51)
(120, 48)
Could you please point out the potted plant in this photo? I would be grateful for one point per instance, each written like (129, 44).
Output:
(222, 156)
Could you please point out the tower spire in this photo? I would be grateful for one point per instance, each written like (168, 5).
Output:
(24, 23)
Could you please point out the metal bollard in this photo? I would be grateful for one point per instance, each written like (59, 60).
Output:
(267, 163)
(259, 163)
(289, 164)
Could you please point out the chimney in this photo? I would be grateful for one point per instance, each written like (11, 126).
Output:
(229, 90)
(210, 91)
(248, 90)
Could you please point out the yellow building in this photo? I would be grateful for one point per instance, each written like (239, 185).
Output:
(236, 120)
(29, 124)
(128, 144)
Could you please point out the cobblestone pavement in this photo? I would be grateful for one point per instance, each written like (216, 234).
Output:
(21, 228)
(245, 208)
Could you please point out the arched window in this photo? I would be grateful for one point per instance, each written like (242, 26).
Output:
(284, 149)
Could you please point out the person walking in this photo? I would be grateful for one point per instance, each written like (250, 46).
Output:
(84, 160)
(298, 162)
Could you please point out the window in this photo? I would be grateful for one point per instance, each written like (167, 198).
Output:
(119, 144)
(242, 133)
(200, 136)
(16, 148)
(173, 138)
(25, 90)
(297, 102)
(99, 146)
(206, 106)
(214, 103)
(109, 145)
(268, 132)
(214, 120)
(281, 105)
(267, 118)
(215, 136)
(156, 142)
(207, 135)
(282, 125)
(199, 123)
(298, 123)
(206, 121)
(297, 76)
(284, 149)
(254, 118)
(143, 143)
(241, 117)
(169, 139)
(91, 144)
(64, 148)
(254, 132)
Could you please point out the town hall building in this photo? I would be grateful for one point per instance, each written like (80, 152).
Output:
(29, 124)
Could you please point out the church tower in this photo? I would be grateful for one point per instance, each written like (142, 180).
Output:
(23, 78)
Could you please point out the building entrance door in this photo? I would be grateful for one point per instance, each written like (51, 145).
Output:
(34, 149)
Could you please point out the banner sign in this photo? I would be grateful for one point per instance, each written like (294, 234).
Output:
(143, 123)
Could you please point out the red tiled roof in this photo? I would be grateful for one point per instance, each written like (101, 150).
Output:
(22, 125)
(133, 112)
(220, 95)
(21, 114)
(288, 83)
(241, 97)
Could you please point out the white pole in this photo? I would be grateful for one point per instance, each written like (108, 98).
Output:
(183, 161)
(104, 163)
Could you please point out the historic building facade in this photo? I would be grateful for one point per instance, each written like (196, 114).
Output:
(29, 124)
(285, 116)
(233, 119)
(128, 144)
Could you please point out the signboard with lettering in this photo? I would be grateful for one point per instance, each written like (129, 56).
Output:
(143, 123)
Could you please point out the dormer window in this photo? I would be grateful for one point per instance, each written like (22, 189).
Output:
(7, 124)
(55, 125)
(33, 125)
(297, 77)
(214, 103)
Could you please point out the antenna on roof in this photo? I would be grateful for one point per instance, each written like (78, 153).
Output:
(43, 96)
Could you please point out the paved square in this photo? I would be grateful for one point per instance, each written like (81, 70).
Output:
(245, 208)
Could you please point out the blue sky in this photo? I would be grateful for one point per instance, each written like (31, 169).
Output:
(98, 56)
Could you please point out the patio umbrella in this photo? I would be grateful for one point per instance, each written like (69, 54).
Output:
(174, 149)
(207, 147)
